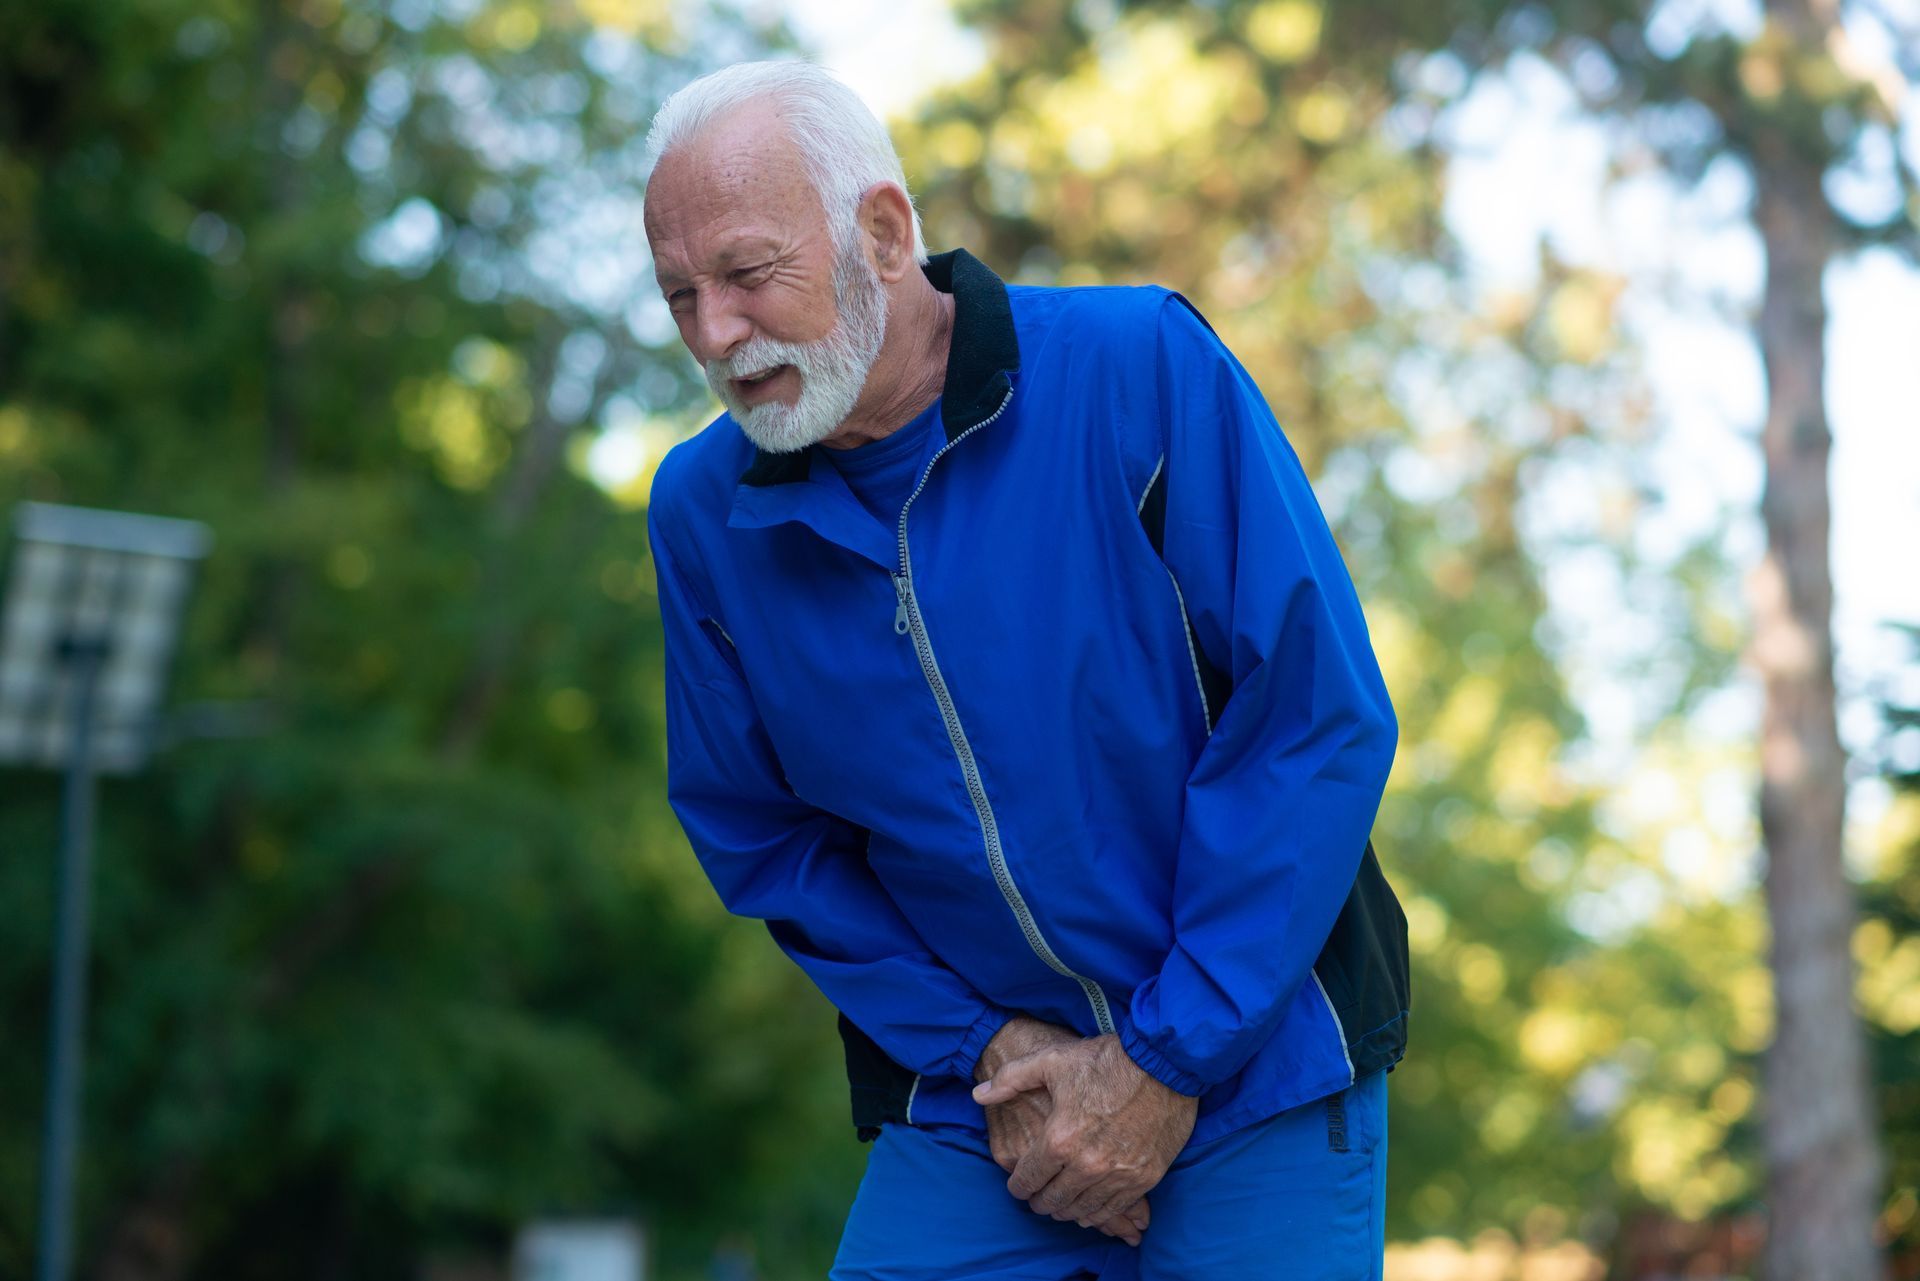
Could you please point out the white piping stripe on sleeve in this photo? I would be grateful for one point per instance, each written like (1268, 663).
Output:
(1142, 504)
(1206, 713)
(910, 1097)
(1339, 1028)
(723, 632)
(1186, 628)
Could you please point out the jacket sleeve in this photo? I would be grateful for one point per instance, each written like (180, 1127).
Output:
(1280, 800)
(799, 868)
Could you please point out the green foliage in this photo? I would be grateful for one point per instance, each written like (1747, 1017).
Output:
(1886, 945)
(422, 955)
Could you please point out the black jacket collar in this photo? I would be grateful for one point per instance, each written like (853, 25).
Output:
(980, 363)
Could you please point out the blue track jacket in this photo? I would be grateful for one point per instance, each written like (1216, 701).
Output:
(1094, 733)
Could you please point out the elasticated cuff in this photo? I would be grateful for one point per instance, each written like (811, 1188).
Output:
(967, 1057)
(1158, 1066)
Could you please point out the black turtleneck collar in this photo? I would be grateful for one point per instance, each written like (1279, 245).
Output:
(983, 356)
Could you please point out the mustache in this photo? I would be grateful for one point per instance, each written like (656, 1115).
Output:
(757, 357)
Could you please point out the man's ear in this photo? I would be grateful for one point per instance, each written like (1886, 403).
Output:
(885, 217)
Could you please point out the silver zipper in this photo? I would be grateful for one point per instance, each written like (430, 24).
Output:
(907, 619)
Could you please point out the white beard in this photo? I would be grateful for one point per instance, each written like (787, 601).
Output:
(832, 370)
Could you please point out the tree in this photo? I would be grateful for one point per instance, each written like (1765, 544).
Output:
(424, 957)
(1791, 101)
(1824, 1160)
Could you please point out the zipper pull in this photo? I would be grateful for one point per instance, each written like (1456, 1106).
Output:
(900, 614)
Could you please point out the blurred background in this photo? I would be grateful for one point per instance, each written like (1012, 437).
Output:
(397, 948)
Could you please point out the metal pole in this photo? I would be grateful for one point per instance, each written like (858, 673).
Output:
(66, 1042)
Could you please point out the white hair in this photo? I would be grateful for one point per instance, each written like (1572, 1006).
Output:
(843, 147)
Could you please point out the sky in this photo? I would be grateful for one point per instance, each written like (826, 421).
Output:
(1534, 171)
(1528, 168)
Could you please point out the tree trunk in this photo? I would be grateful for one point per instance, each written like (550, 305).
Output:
(1824, 1165)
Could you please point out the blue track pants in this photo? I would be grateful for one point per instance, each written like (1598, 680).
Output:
(1297, 1197)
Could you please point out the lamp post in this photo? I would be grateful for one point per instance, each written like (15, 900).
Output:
(87, 630)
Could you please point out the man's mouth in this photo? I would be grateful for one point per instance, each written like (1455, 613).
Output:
(760, 379)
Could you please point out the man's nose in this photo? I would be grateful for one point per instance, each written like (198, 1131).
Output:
(719, 330)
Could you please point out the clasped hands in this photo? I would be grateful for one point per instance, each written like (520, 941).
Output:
(1082, 1130)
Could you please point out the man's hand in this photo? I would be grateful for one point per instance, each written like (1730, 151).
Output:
(1112, 1132)
(1015, 1125)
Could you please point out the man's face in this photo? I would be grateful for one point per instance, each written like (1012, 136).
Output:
(784, 325)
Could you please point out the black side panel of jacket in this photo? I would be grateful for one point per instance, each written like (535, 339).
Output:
(1365, 972)
(880, 1086)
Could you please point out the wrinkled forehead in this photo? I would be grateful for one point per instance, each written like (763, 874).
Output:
(740, 177)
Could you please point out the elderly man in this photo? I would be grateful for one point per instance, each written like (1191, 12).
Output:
(1015, 681)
